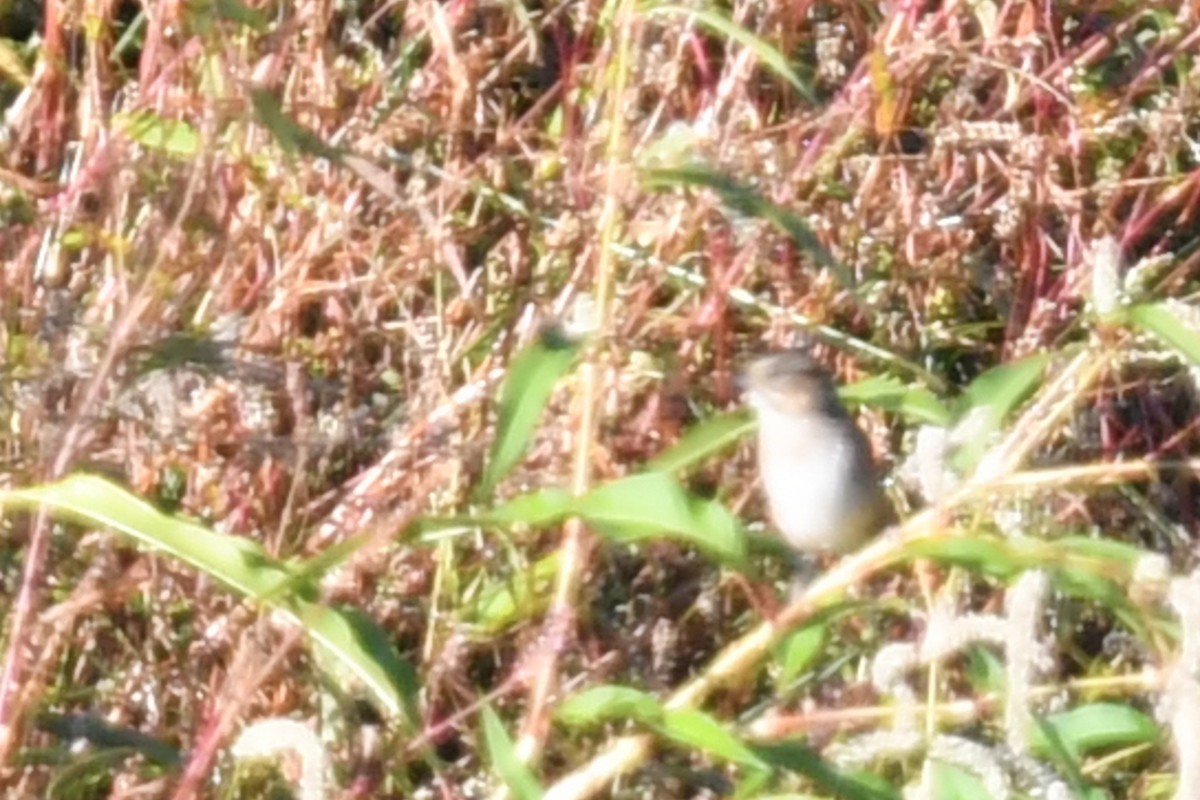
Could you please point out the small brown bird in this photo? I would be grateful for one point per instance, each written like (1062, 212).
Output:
(822, 487)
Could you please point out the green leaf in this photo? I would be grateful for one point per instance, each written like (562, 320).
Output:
(202, 15)
(1163, 322)
(653, 504)
(238, 12)
(236, 561)
(985, 671)
(1086, 547)
(917, 404)
(703, 441)
(605, 703)
(719, 23)
(531, 378)
(516, 774)
(952, 782)
(291, 135)
(1062, 755)
(800, 649)
(995, 394)
(694, 728)
(171, 137)
(793, 756)
(536, 509)
(104, 735)
(355, 642)
(358, 645)
(1079, 732)
(502, 604)
(987, 555)
(746, 201)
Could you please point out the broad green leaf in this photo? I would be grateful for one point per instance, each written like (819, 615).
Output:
(1001, 389)
(722, 25)
(792, 756)
(170, 137)
(236, 561)
(1163, 322)
(521, 597)
(1098, 726)
(703, 441)
(517, 776)
(987, 555)
(694, 728)
(653, 504)
(531, 378)
(355, 642)
(951, 782)
(1061, 754)
(538, 508)
(799, 649)
(745, 200)
(916, 404)
(994, 395)
(1121, 553)
(604, 703)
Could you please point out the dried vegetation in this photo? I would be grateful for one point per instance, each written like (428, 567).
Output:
(267, 265)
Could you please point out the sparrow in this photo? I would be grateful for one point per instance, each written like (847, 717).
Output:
(822, 487)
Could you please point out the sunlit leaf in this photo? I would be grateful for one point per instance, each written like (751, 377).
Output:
(916, 404)
(986, 555)
(1098, 726)
(653, 504)
(521, 597)
(984, 670)
(531, 378)
(1106, 549)
(503, 757)
(951, 782)
(605, 703)
(171, 137)
(696, 729)
(792, 756)
(745, 200)
(800, 649)
(235, 11)
(1163, 322)
(719, 23)
(354, 641)
(703, 441)
(992, 397)
(538, 508)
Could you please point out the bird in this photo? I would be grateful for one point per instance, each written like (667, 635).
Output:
(822, 486)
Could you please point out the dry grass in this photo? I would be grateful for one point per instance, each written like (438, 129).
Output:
(294, 344)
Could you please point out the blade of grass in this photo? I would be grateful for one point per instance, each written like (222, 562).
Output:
(353, 640)
(531, 378)
(722, 25)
